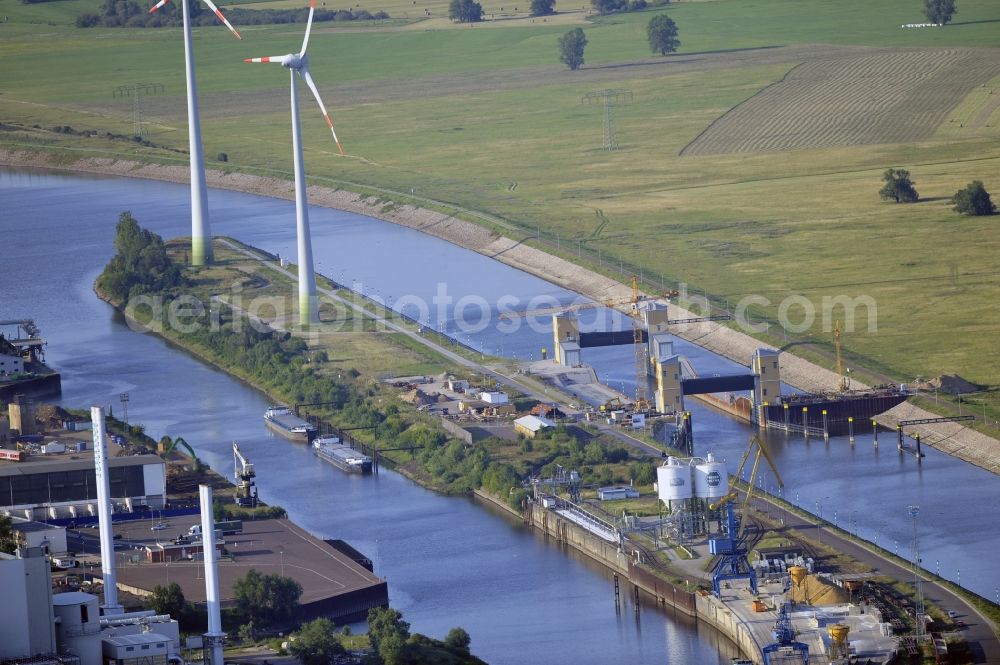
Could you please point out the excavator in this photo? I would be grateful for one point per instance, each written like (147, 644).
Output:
(165, 450)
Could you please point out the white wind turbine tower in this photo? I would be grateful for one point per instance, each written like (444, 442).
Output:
(201, 235)
(299, 63)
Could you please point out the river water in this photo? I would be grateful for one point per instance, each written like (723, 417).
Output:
(446, 560)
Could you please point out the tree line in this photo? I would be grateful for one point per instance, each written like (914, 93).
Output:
(129, 14)
(661, 34)
(972, 200)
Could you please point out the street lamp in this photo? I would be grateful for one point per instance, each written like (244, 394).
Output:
(914, 511)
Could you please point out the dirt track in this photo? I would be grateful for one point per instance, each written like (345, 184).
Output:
(965, 444)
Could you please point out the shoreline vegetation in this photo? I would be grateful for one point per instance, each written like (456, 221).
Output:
(289, 369)
(491, 470)
(486, 236)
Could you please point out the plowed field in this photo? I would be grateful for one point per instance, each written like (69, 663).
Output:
(888, 96)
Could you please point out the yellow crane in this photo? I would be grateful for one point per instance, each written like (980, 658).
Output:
(756, 449)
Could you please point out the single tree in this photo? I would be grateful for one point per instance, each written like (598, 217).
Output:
(465, 11)
(939, 11)
(266, 599)
(543, 7)
(388, 633)
(662, 33)
(974, 200)
(168, 600)
(571, 47)
(898, 186)
(458, 639)
(8, 537)
(316, 643)
(248, 633)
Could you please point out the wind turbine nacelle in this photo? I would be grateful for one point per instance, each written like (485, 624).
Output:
(294, 61)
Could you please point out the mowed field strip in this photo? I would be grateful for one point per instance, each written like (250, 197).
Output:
(888, 96)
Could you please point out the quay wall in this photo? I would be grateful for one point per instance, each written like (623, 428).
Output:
(705, 607)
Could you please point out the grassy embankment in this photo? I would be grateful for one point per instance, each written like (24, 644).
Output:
(480, 119)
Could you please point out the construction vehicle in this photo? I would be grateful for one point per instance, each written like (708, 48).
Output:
(732, 548)
(246, 491)
(165, 450)
(613, 404)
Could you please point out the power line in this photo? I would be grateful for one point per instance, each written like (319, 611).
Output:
(136, 91)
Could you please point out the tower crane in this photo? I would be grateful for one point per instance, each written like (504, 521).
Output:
(732, 548)
(246, 491)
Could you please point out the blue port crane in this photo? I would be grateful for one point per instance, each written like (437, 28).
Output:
(784, 640)
(732, 547)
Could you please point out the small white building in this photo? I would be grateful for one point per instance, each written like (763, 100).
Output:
(495, 397)
(51, 539)
(531, 425)
(10, 364)
(617, 493)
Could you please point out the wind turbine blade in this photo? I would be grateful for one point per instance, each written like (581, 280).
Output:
(312, 86)
(309, 25)
(272, 58)
(222, 18)
(158, 5)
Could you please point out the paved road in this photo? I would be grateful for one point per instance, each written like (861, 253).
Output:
(979, 632)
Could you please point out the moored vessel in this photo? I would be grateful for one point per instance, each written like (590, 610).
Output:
(281, 420)
(341, 456)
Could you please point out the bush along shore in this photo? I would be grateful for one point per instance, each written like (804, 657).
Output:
(290, 370)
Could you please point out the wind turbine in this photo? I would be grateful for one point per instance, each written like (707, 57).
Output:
(298, 63)
(201, 235)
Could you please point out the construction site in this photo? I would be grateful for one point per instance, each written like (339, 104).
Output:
(779, 599)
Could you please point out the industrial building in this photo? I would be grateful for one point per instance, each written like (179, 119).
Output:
(47, 485)
(530, 426)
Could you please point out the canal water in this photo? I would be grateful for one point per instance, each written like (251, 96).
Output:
(63, 227)
(448, 561)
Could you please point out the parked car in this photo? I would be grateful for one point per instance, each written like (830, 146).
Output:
(159, 526)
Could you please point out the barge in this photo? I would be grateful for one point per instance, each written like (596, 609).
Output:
(282, 421)
(343, 457)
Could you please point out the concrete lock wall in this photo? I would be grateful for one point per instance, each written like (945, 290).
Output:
(705, 607)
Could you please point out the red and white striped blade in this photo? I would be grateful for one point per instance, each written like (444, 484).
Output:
(222, 18)
(158, 5)
(272, 58)
(312, 86)
(309, 25)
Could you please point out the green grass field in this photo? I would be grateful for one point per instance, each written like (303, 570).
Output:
(462, 114)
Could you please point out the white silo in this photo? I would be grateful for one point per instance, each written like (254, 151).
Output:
(711, 481)
(674, 481)
(78, 626)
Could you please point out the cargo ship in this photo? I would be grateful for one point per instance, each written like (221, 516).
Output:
(282, 421)
(341, 456)
(22, 362)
